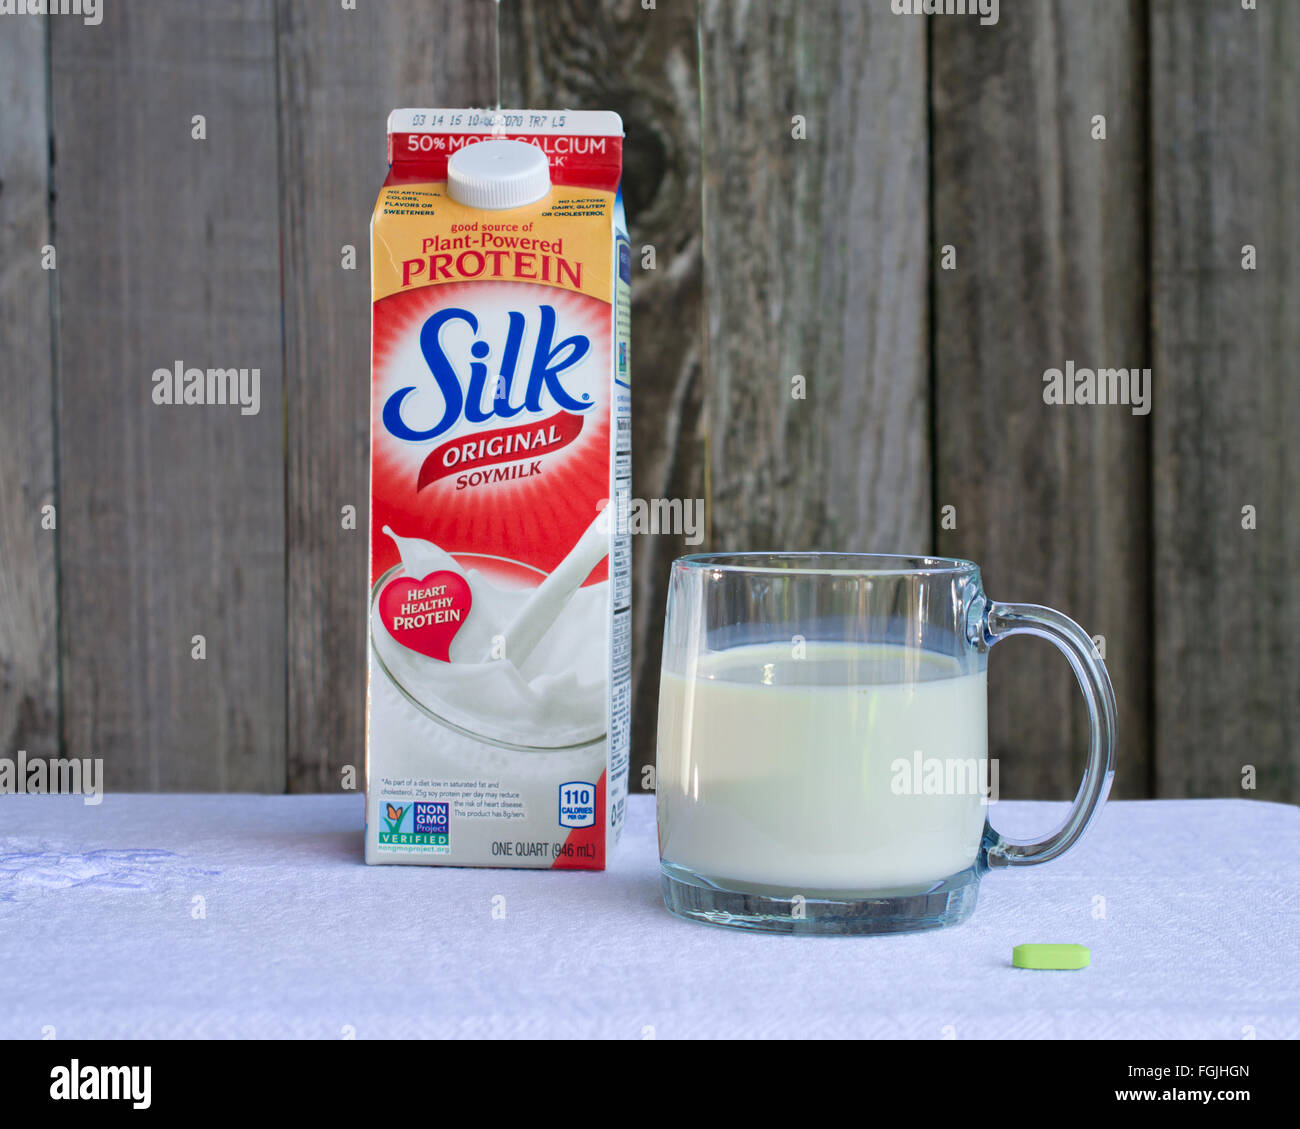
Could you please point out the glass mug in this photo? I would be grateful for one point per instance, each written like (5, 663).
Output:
(822, 759)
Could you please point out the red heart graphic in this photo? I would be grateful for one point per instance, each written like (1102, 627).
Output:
(426, 614)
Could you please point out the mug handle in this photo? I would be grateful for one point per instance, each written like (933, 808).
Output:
(999, 621)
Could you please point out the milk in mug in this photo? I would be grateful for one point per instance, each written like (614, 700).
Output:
(499, 604)
(799, 773)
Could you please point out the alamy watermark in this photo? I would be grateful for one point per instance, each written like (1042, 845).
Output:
(77, 1082)
(987, 10)
(90, 11)
(920, 775)
(1103, 386)
(65, 777)
(681, 517)
(181, 385)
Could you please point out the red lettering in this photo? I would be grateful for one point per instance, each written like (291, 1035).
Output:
(472, 257)
(573, 270)
(410, 269)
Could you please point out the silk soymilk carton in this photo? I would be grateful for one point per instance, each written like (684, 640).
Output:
(500, 579)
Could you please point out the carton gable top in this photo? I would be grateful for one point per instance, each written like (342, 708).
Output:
(583, 147)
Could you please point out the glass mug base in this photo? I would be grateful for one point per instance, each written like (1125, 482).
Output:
(696, 898)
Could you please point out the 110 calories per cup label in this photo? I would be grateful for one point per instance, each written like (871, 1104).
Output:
(577, 804)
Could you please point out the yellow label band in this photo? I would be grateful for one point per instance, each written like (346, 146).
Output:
(422, 237)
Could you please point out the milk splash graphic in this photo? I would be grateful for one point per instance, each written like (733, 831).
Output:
(499, 611)
(528, 666)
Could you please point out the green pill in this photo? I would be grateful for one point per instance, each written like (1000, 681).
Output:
(1060, 957)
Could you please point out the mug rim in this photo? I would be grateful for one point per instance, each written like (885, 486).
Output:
(818, 563)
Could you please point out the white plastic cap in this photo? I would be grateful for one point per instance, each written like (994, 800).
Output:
(498, 174)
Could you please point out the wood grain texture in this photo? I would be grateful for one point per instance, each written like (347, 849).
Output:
(816, 266)
(340, 73)
(1048, 228)
(29, 706)
(171, 518)
(1226, 173)
(615, 55)
(775, 257)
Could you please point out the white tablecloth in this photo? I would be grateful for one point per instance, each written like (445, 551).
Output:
(254, 916)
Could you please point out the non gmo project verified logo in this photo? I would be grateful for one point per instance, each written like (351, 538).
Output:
(430, 826)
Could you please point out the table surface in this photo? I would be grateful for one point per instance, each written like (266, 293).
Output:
(253, 916)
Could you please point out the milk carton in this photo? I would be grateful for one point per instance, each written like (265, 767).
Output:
(499, 601)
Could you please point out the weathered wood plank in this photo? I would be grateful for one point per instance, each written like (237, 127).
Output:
(1048, 231)
(341, 72)
(609, 54)
(816, 268)
(1226, 173)
(29, 708)
(171, 519)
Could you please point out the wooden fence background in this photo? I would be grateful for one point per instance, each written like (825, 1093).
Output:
(949, 228)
